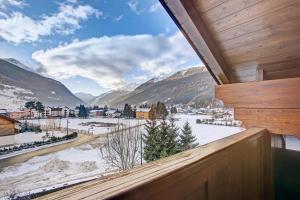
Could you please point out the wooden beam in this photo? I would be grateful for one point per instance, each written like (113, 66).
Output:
(282, 93)
(260, 74)
(280, 70)
(278, 121)
(194, 29)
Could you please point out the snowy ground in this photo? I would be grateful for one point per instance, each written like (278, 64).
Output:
(205, 133)
(85, 162)
(27, 137)
(49, 171)
(76, 123)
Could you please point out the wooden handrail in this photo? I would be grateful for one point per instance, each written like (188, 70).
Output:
(150, 173)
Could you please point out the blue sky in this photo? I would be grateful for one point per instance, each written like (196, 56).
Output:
(94, 46)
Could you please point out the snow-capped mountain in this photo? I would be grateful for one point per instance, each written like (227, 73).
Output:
(18, 85)
(191, 86)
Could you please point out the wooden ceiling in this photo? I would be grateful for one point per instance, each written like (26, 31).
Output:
(242, 40)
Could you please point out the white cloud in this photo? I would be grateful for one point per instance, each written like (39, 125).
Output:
(119, 18)
(26, 29)
(155, 7)
(108, 59)
(5, 4)
(133, 5)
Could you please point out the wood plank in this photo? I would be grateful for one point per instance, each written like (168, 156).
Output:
(207, 5)
(278, 121)
(283, 93)
(243, 70)
(254, 52)
(201, 37)
(181, 175)
(279, 70)
(277, 30)
(254, 12)
(260, 75)
(226, 10)
(286, 13)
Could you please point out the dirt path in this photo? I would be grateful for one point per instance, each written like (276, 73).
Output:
(26, 156)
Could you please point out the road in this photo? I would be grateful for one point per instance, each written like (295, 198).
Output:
(26, 156)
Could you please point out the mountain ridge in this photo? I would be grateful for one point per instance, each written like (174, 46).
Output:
(49, 91)
(190, 86)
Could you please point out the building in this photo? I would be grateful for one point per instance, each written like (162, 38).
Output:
(97, 113)
(143, 113)
(58, 112)
(113, 113)
(8, 126)
(18, 114)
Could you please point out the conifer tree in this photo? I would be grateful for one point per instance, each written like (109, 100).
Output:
(164, 133)
(174, 145)
(187, 140)
(152, 141)
(83, 113)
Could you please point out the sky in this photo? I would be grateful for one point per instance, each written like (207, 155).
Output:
(94, 46)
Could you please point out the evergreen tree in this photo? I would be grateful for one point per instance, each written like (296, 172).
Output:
(174, 145)
(30, 105)
(39, 107)
(164, 133)
(105, 109)
(187, 140)
(161, 110)
(127, 112)
(83, 113)
(151, 141)
(173, 110)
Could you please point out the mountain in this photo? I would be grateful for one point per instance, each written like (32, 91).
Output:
(86, 97)
(18, 85)
(190, 87)
(108, 97)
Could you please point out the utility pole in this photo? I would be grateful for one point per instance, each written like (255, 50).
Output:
(141, 142)
(67, 127)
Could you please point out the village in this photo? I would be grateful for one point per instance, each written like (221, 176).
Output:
(59, 133)
(33, 133)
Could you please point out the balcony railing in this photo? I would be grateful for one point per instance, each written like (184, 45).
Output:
(236, 167)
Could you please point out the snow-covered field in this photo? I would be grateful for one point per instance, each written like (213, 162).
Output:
(27, 137)
(80, 124)
(85, 162)
(205, 133)
(56, 169)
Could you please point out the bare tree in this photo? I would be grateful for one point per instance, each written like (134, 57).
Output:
(122, 147)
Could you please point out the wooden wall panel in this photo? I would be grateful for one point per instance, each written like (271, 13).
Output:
(280, 121)
(283, 93)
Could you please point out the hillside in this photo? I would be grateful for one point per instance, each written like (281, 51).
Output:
(192, 86)
(18, 85)
(108, 97)
(86, 97)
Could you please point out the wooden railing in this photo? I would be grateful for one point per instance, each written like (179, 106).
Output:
(236, 167)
